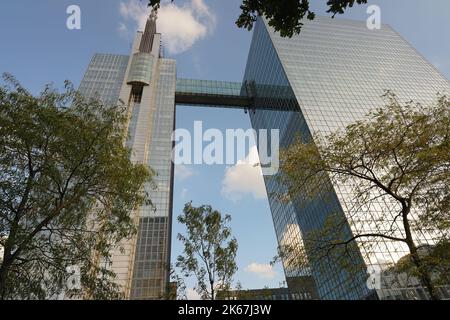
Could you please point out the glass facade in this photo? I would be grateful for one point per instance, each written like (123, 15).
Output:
(211, 93)
(334, 73)
(147, 86)
(221, 88)
(276, 107)
(141, 68)
(152, 256)
(104, 76)
(331, 75)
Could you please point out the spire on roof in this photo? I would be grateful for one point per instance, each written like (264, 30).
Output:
(153, 15)
(149, 33)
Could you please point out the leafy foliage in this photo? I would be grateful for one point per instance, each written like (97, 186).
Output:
(435, 259)
(399, 158)
(179, 286)
(286, 16)
(67, 188)
(209, 249)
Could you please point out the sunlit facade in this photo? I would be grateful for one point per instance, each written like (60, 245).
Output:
(328, 77)
(145, 82)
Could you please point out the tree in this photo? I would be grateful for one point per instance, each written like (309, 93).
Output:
(67, 188)
(177, 286)
(435, 259)
(285, 16)
(209, 250)
(400, 156)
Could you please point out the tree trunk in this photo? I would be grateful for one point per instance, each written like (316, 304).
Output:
(8, 259)
(4, 270)
(212, 290)
(424, 275)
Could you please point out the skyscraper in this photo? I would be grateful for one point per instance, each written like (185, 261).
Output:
(329, 76)
(145, 83)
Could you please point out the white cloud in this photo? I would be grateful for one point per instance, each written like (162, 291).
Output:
(245, 178)
(291, 238)
(183, 172)
(264, 271)
(181, 26)
(184, 193)
(191, 294)
(122, 30)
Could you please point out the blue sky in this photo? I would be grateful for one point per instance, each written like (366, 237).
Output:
(37, 48)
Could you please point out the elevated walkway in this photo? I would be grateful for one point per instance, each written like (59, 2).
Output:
(236, 95)
(212, 93)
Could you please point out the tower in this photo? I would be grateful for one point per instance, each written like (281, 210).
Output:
(320, 81)
(329, 76)
(145, 83)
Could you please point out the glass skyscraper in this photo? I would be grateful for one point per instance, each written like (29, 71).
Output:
(145, 83)
(329, 76)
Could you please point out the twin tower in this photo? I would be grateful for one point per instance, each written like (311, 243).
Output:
(329, 76)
